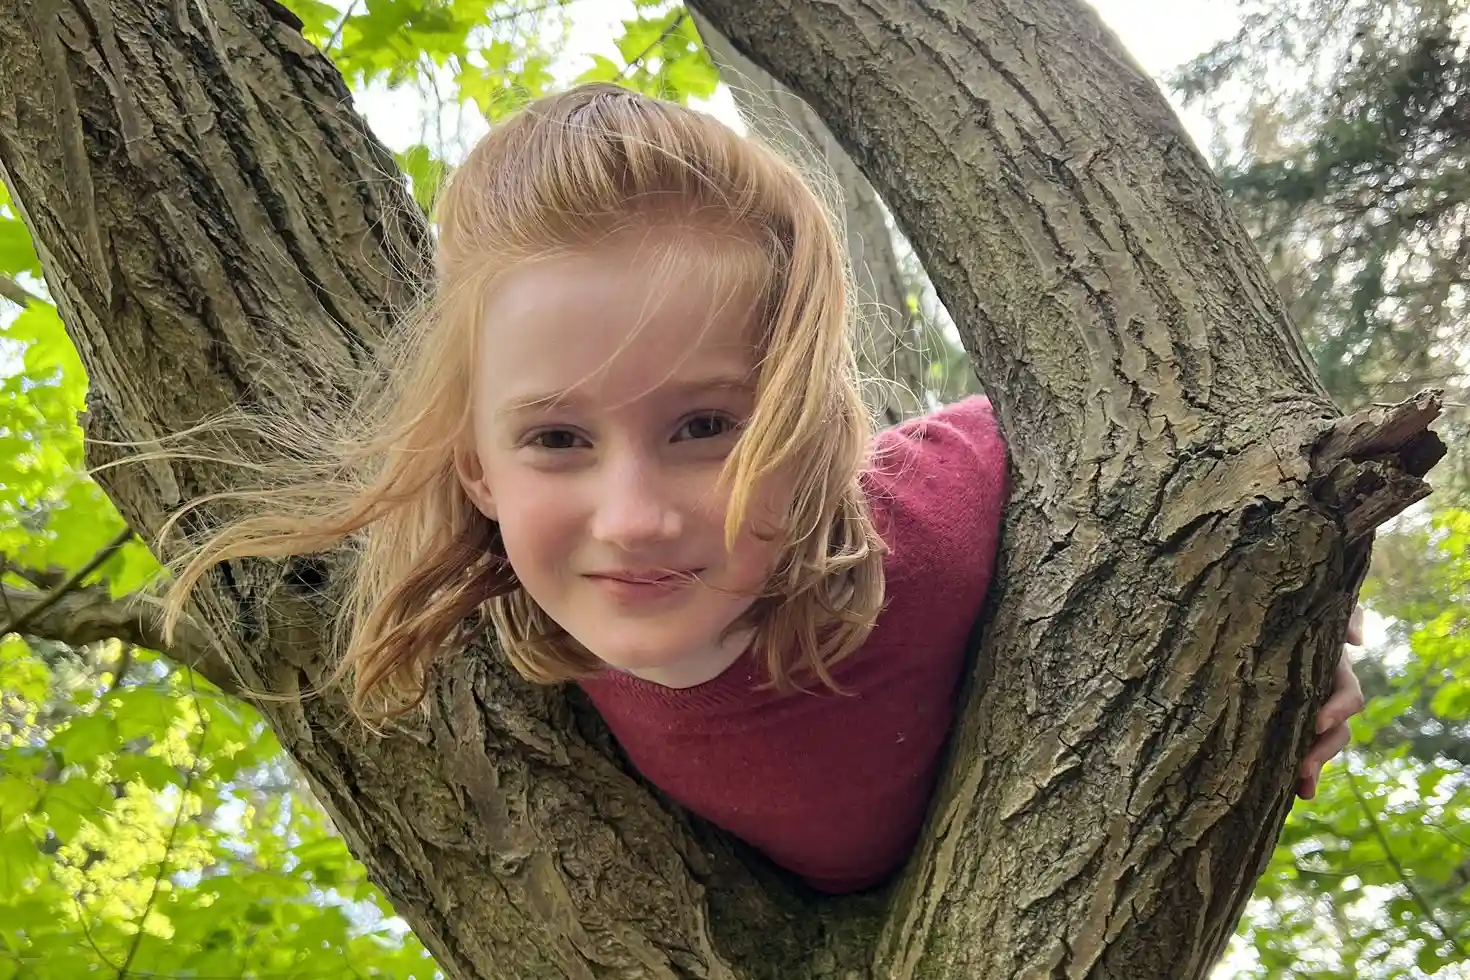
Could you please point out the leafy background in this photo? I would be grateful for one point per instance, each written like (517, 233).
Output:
(150, 824)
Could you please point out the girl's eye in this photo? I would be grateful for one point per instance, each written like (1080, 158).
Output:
(555, 439)
(710, 426)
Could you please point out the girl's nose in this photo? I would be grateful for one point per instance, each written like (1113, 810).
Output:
(633, 511)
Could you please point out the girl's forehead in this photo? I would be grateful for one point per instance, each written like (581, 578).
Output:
(612, 326)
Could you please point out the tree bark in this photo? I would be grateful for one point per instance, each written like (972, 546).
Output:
(889, 344)
(1190, 520)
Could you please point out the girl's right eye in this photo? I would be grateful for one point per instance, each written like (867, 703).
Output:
(555, 439)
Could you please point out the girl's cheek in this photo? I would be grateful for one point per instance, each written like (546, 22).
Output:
(531, 506)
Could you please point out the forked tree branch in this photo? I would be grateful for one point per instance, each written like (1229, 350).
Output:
(1176, 577)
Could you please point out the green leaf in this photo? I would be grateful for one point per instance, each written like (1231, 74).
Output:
(86, 737)
(603, 69)
(150, 770)
(18, 795)
(17, 255)
(130, 569)
(70, 804)
(1453, 699)
(20, 860)
(258, 915)
(506, 82)
(693, 77)
(49, 351)
(143, 710)
(641, 35)
(22, 673)
(425, 172)
(316, 17)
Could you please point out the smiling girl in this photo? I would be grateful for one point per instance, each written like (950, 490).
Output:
(629, 432)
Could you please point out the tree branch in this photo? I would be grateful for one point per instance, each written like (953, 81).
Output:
(337, 31)
(1400, 430)
(16, 293)
(650, 893)
(87, 614)
(1177, 579)
(1371, 464)
(19, 624)
(1172, 598)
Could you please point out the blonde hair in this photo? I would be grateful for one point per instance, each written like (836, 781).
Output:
(565, 172)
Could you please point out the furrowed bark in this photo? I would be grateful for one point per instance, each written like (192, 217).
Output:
(1180, 557)
(1189, 525)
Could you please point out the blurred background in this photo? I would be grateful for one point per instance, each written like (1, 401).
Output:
(150, 825)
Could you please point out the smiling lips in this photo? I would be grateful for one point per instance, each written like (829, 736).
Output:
(643, 585)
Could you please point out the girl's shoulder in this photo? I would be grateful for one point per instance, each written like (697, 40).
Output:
(971, 419)
(937, 487)
(957, 447)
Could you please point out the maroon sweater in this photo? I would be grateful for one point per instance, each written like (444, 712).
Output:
(835, 787)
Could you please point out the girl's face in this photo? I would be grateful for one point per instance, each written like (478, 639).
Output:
(608, 396)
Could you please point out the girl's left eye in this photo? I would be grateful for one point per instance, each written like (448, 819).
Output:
(708, 426)
(554, 439)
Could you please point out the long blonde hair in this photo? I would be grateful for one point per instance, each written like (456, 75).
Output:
(426, 565)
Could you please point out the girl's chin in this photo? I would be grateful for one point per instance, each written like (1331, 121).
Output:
(673, 671)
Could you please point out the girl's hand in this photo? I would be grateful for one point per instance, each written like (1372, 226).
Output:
(1332, 721)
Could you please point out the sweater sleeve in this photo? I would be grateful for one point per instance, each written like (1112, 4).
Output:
(940, 484)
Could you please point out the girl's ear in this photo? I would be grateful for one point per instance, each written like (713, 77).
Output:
(472, 477)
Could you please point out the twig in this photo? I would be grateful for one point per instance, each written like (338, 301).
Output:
(673, 26)
(91, 566)
(16, 293)
(87, 934)
(1398, 868)
(527, 11)
(337, 31)
(168, 847)
(427, 73)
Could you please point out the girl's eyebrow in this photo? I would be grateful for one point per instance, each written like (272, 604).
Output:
(537, 401)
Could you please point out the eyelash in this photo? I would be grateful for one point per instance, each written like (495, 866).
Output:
(732, 424)
(533, 440)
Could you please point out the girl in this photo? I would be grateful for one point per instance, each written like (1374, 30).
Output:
(629, 429)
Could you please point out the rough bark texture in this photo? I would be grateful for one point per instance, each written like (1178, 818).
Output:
(1178, 565)
(1188, 529)
(890, 343)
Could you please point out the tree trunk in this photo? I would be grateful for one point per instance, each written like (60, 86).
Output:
(889, 344)
(1189, 522)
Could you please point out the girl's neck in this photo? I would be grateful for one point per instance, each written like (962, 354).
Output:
(700, 668)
